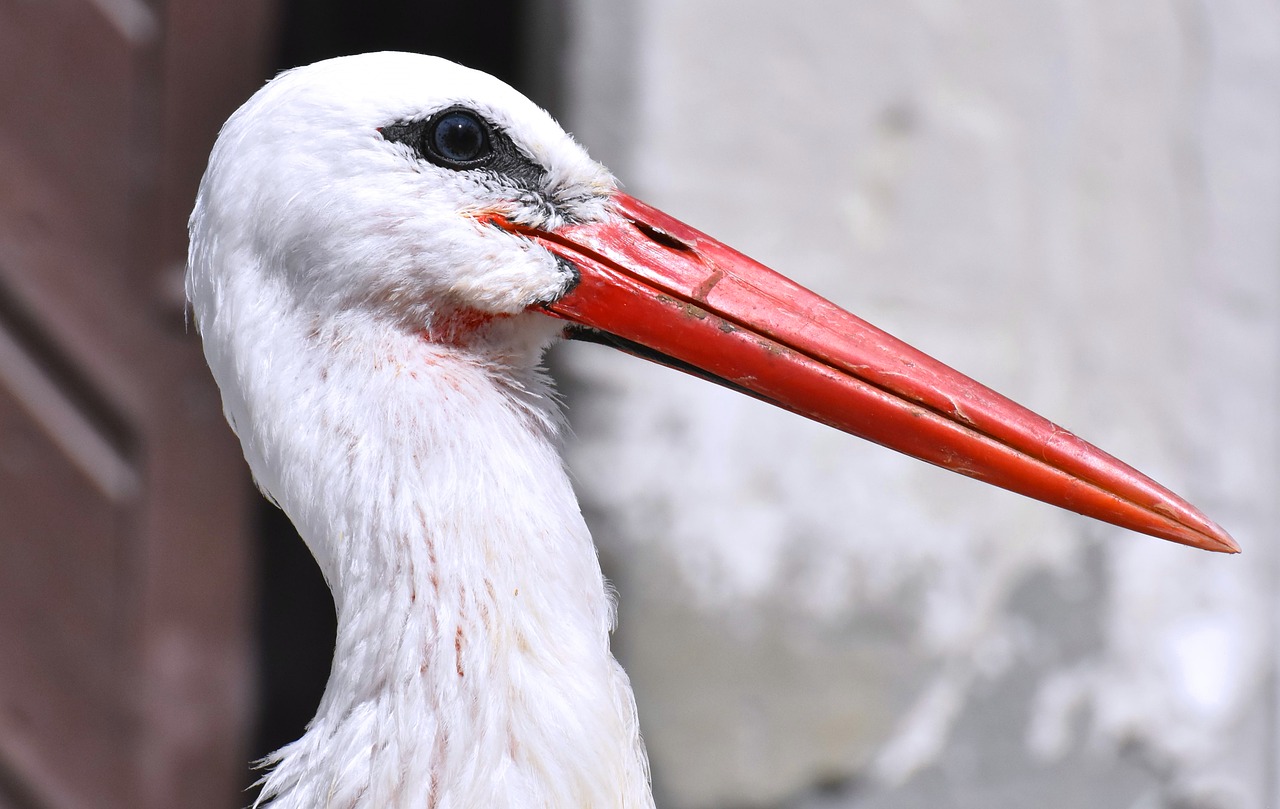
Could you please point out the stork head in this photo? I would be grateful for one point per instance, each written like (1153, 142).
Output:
(365, 184)
(408, 190)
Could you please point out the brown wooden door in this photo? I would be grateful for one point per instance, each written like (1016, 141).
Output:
(124, 558)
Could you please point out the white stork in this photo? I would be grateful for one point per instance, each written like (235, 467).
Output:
(382, 248)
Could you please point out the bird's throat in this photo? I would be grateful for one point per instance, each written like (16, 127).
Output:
(473, 619)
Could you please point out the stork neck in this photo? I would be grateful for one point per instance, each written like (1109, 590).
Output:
(472, 665)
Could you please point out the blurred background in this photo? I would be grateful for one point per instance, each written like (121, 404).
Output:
(1074, 201)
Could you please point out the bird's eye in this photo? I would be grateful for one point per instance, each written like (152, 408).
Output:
(461, 139)
(458, 139)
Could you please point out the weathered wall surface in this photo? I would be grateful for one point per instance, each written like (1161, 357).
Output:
(1077, 203)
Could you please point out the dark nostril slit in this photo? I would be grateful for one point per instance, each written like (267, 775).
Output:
(662, 237)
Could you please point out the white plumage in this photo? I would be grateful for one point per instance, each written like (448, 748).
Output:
(472, 665)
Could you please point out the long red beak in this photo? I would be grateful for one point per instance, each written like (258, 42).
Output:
(658, 288)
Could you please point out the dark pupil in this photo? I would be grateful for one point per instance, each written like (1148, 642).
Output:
(458, 137)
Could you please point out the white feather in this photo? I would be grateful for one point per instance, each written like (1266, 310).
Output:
(472, 665)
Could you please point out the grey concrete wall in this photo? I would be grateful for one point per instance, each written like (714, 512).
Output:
(1077, 203)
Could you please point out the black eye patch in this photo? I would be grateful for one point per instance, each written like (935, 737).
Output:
(461, 139)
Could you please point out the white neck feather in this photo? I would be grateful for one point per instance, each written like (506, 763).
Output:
(472, 666)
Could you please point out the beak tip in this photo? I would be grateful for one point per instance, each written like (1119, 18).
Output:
(1211, 537)
(1226, 543)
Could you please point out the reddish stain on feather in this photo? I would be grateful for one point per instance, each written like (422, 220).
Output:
(437, 756)
(484, 605)
(456, 328)
(457, 649)
(433, 576)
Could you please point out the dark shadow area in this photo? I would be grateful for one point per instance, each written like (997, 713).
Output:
(295, 633)
(486, 36)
